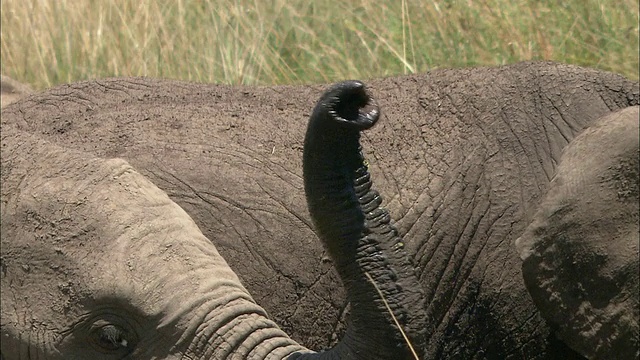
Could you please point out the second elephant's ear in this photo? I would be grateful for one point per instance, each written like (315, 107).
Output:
(580, 253)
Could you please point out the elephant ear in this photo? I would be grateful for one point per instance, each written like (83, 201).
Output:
(580, 253)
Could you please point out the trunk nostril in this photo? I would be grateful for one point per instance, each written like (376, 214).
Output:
(350, 103)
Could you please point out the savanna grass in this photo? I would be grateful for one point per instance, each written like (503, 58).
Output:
(47, 42)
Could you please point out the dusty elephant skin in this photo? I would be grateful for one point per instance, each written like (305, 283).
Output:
(463, 158)
(581, 251)
(98, 263)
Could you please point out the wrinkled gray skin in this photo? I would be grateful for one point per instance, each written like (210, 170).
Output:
(463, 158)
(98, 263)
(581, 251)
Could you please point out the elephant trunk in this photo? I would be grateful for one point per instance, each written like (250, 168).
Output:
(369, 256)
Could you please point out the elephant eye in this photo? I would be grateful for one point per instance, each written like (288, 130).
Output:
(110, 338)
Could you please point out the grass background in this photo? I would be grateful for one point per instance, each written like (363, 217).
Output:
(47, 42)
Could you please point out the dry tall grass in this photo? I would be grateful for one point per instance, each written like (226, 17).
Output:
(46, 42)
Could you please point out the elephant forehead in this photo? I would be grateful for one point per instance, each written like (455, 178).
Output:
(581, 251)
(605, 147)
(100, 232)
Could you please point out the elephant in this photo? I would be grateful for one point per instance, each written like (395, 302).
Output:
(580, 252)
(464, 158)
(11, 90)
(99, 263)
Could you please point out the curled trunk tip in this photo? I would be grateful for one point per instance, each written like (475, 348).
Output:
(349, 104)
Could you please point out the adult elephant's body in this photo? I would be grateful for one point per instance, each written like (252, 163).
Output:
(462, 158)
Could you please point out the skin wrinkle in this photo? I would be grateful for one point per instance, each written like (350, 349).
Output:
(284, 206)
(311, 290)
(573, 128)
(422, 260)
(472, 261)
(404, 217)
(232, 340)
(526, 134)
(522, 326)
(432, 275)
(455, 317)
(425, 201)
(485, 275)
(247, 335)
(521, 174)
(260, 258)
(454, 248)
(603, 98)
(423, 247)
(534, 161)
(454, 266)
(248, 156)
(530, 117)
(552, 154)
(260, 328)
(222, 198)
(560, 131)
(272, 348)
(538, 101)
(231, 316)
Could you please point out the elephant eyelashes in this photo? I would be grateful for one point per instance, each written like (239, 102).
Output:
(112, 338)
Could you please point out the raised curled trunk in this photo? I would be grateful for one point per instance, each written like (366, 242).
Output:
(368, 254)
